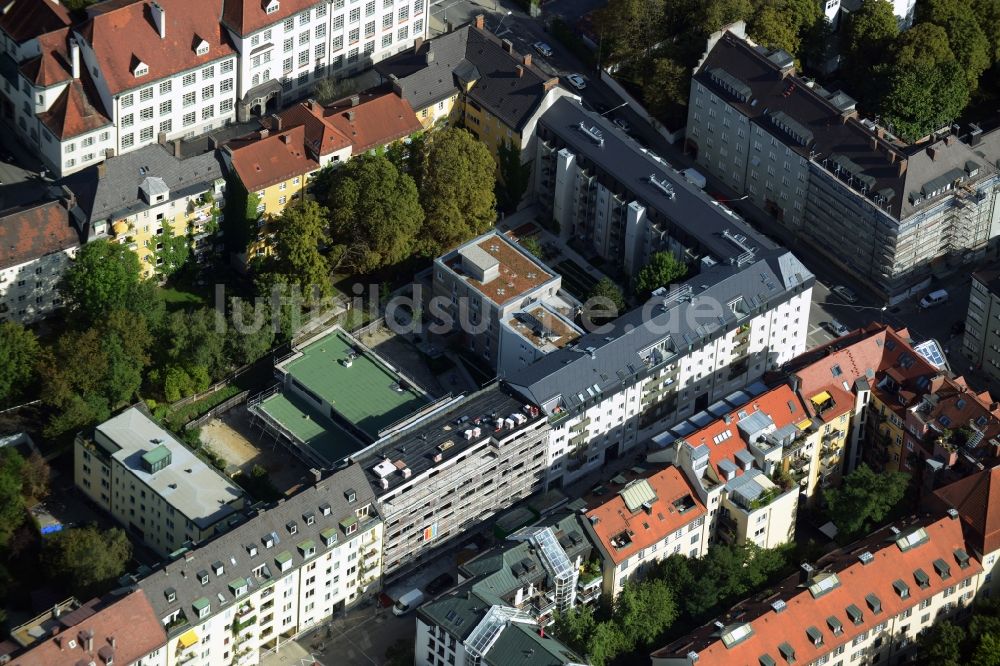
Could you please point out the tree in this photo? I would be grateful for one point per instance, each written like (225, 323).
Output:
(375, 214)
(12, 509)
(868, 35)
(329, 90)
(642, 611)
(532, 245)
(300, 236)
(513, 179)
(864, 499)
(940, 645)
(988, 14)
(926, 86)
(781, 24)
(457, 190)
(35, 477)
(254, 334)
(72, 375)
(174, 254)
(18, 354)
(663, 269)
(606, 642)
(987, 652)
(103, 277)
(198, 338)
(575, 627)
(606, 300)
(126, 341)
(86, 559)
(629, 28)
(665, 86)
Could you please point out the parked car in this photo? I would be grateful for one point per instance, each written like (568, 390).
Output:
(934, 299)
(576, 81)
(440, 584)
(844, 293)
(622, 124)
(542, 48)
(835, 328)
(408, 602)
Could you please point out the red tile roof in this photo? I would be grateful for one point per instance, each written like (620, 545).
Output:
(613, 516)
(322, 137)
(126, 35)
(248, 16)
(75, 111)
(977, 500)
(263, 162)
(857, 580)
(52, 66)
(377, 120)
(32, 232)
(123, 631)
(27, 19)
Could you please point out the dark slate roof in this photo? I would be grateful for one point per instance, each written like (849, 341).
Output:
(31, 232)
(468, 55)
(616, 355)
(836, 139)
(691, 211)
(115, 192)
(231, 549)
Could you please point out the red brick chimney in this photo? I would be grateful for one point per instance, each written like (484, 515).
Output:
(480, 21)
(520, 71)
(526, 59)
(508, 45)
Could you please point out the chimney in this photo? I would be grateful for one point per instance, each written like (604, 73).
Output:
(429, 56)
(350, 116)
(508, 46)
(311, 104)
(161, 138)
(932, 152)
(113, 641)
(264, 133)
(902, 166)
(355, 100)
(975, 134)
(397, 87)
(550, 84)
(286, 139)
(806, 572)
(520, 71)
(276, 122)
(102, 170)
(480, 21)
(74, 57)
(68, 200)
(417, 43)
(159, 18)
(874, 140)
(177, 148)
(526, 60)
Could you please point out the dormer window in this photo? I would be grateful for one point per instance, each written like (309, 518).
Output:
(202, 48)
(271, 6)
(140, 69)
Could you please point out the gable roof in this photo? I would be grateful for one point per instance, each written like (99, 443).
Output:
(127, 34)
(977, 500)
(74, 112)
(52, 65)
(247, 16)
(119, 630)
(376, 120)
(34, 231)
(321, 137)
(673, 505)
(272, 159)
(25, 19)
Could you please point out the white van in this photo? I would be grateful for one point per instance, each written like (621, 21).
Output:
(408, 602)
(934, 298)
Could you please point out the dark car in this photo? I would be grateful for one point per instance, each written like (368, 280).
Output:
(439, 584)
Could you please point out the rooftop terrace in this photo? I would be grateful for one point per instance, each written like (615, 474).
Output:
(543, 328)
(497, 268)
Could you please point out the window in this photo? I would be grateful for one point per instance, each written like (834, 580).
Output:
(402, 33)
(321, 30)
(387, 41)
(146, 134)
(304, 38)
(208, 72)
(207, 112)
(387, 21)
(226, 86)
(354, 35)
(370, 29)
(369, 47)
(404, 12)
(207, 92)
(126, 122)
(226, 67)
(319, 51)
(142, 69)
(352, 55)
(146, 94)
(188, 99)
(303, 18)
(188, 119)
(289, 24)
(127, 140)
(165, 107)
(146, 114)
(226, 106)
(370, 8)
(127, 100)
(189, 79)
(321, 10)
(281, 200)
(338, 22)
(355, 15)
(289, 44)
(167, 125)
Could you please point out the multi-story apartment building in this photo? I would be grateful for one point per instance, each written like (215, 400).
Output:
(282, 572)
(453, 467)
(470, 76)
(152, 484)
(135, 73)
(528, 334)
(865, 603)
(137, 198)
(276, 163)
(652, 516)
(115, 630)
(37, 245)
(485, 282)
(507, 595)
(735, 454)
(981, 342)
(887, 212)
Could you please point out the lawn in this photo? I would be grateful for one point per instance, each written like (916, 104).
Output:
(178, 299)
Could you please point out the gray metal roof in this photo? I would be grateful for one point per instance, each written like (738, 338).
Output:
(692, 214)
(117, 192)
(232, 549)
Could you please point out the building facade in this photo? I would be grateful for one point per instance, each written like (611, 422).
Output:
(981, 342)
(154, 485)
(37, 245)
(280, 573)
(890, 213)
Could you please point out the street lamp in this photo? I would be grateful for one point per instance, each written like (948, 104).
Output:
(497, 31)
(615, 109)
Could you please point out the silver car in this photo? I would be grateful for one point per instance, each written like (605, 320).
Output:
(844, 293)
(543, 48)
(835, 328)
(576, 81)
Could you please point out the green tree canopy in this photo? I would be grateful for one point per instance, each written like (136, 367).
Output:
(966, 38)
(869, 33)
(12, 509)
(663, 269)
(782, 24)
(103, 277)
(629, 28)
(86, 559)
(457, 189)
(301, 235)
(864, 499)
(375, 214)
(198, 338)
(174, 254)
(247, 341)
(608, 299)
(18, 354)
(941, 644)
(988, 14)
(665, 86)
(73, 373)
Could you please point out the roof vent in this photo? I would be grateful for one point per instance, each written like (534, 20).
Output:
(866, 558)
(953, 514)
(779, 606)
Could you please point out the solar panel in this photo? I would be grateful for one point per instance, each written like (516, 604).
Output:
(931, 351)
(488, 630)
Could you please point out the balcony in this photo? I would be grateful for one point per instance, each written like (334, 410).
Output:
(239, 625)
(586, 596)
(582, 425)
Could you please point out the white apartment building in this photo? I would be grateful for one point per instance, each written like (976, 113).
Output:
(280, 573)
(154, 485)
(863, 604)
(37, 245)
